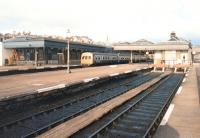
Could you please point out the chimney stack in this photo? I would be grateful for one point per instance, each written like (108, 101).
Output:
(173, 35)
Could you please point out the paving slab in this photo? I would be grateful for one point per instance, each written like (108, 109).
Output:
(184, 121)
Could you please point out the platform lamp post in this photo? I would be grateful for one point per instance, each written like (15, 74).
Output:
(68, 52)
(147, 55)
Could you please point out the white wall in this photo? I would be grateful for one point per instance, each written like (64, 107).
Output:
(170, 57)
(157, 57)
(4, 54)
(1, 54)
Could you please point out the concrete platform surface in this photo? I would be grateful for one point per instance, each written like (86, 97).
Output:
(184, 121)
(8, 68)
(24, 83)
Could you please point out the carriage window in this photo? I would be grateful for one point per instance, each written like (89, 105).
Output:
(85, 57)
(89, 57)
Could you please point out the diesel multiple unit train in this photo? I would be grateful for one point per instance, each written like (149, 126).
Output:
(91, 58)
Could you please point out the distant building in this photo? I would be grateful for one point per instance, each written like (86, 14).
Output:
(174, 51)
(39, 50)
(82, 39)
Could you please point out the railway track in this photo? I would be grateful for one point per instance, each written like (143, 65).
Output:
(140, 116)
(37, 123)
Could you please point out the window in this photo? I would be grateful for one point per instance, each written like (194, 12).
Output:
(83, 57)
(89, 57)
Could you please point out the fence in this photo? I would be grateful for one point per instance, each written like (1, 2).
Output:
(43, 62)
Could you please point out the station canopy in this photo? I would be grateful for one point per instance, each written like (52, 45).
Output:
(40, 42)
(143, 45)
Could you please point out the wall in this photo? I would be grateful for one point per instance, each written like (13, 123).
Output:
(158, 57)
(1, 54)
(4, 54)
(170, 57)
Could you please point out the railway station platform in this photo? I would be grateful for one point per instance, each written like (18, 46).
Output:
(184, 119)
(15, 85)
(12, 70)
(24, 67)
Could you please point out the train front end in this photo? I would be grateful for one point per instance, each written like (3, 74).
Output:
(87, 59)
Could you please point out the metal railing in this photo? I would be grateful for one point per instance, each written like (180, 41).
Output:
(43, 62)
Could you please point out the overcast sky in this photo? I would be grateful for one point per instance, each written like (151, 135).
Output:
(120, 20)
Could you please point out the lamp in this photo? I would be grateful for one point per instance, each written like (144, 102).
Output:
(68, 52)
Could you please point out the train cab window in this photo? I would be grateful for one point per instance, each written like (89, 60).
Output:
(89, 57)
(83, 57)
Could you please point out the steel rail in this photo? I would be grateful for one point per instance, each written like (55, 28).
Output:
(47, 127)
(160, 114)
(122, 113)
(153, 124)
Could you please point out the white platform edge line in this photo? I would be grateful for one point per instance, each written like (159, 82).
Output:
(113, 66)
(59, 86)
(39, 67)
(167, 115)
(4, 70)
(23, 69)
(88, 80)
(114, 74)
(53, 67)
(184, 80)
(128, 71)
(179, 90)
(96, 78)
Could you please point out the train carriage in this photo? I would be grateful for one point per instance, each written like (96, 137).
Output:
(93, 58)
(89, 58)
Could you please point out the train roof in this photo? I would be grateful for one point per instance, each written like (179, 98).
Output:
(96, 53)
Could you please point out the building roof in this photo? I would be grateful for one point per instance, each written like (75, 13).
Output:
(138, 42)
(147, 45)
(152, 47)
(39, 42)
(142, 42)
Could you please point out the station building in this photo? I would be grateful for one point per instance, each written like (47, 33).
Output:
(174, 51)
(34, 50)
